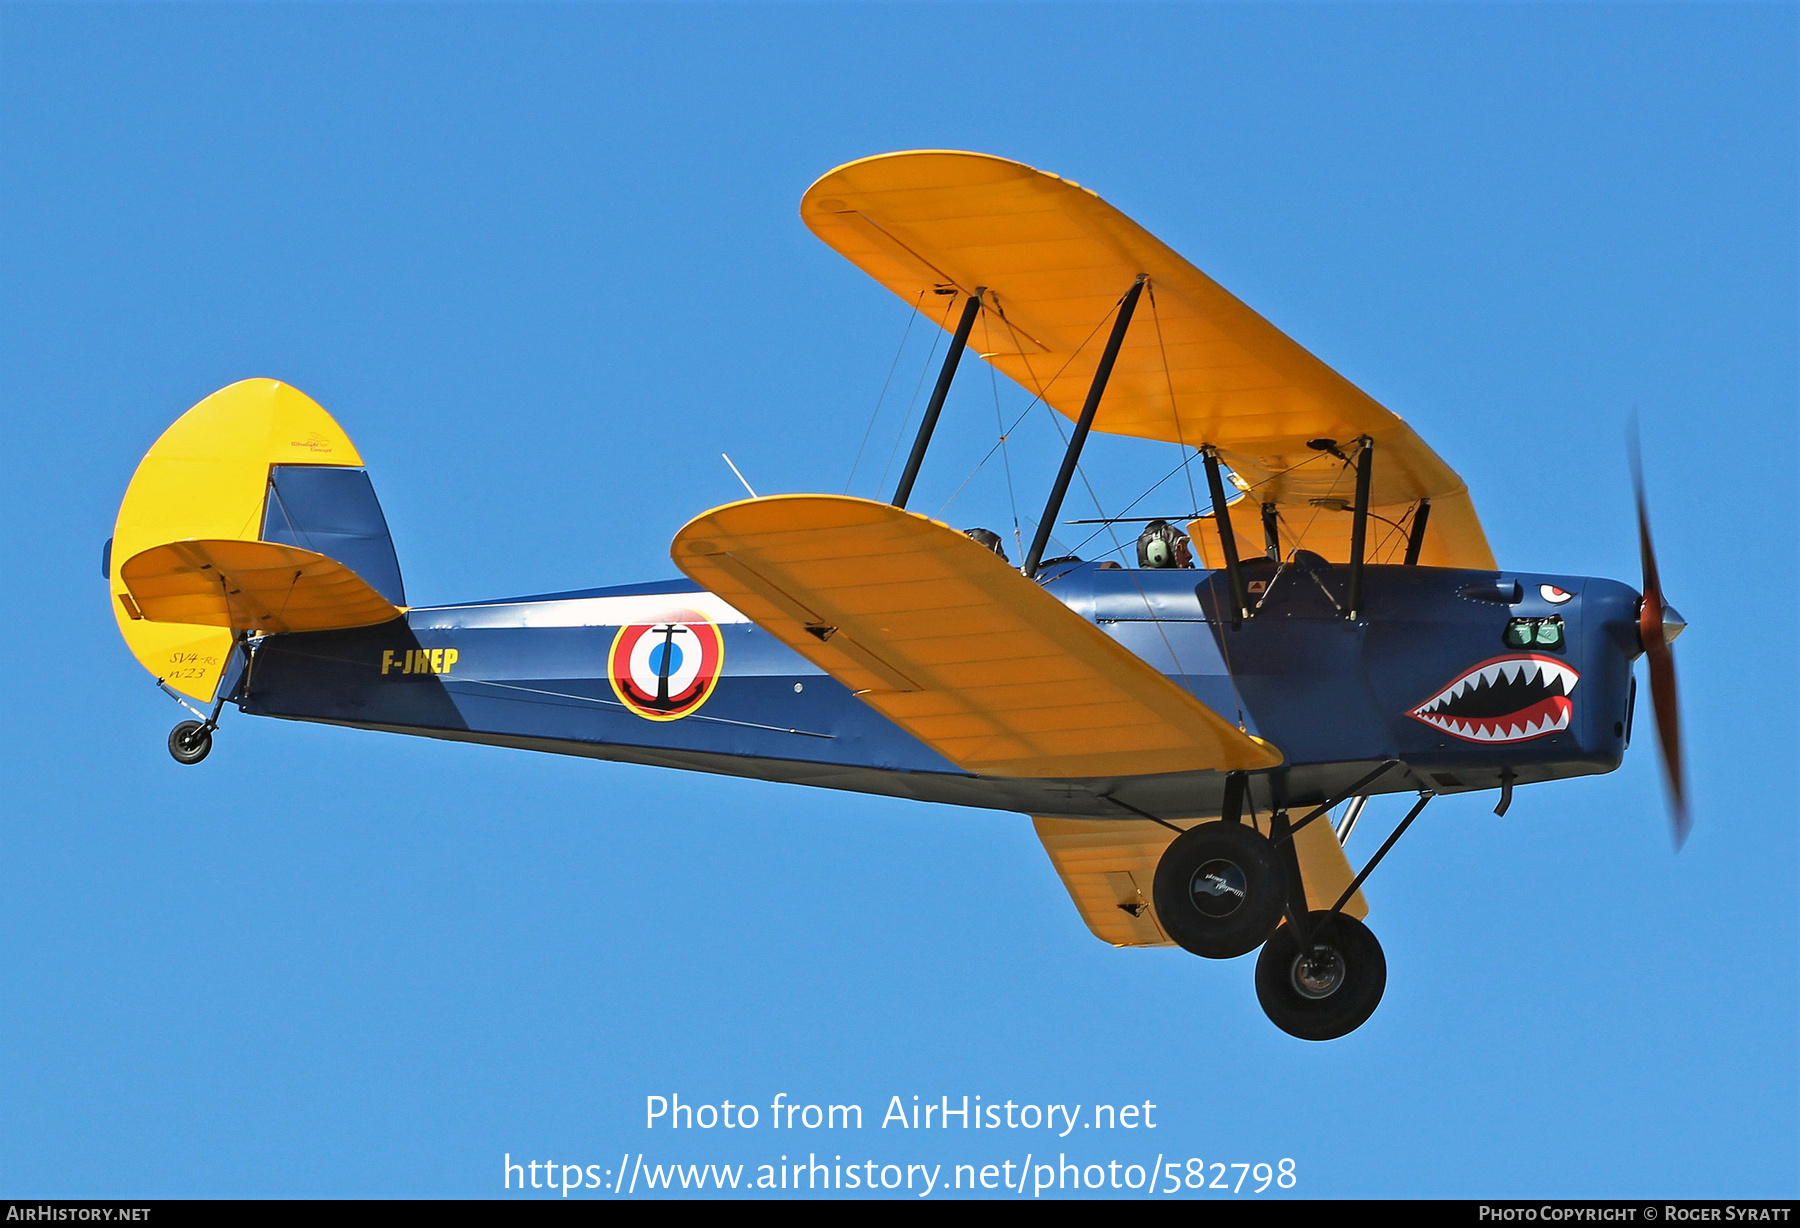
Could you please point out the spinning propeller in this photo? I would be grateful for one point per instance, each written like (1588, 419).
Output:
(1658, 625)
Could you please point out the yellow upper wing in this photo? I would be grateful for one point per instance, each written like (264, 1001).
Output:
(1198, 366)
(939, 635)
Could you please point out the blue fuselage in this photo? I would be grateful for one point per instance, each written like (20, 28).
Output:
(1460, 676)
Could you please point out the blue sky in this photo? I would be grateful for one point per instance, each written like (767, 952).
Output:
(544, 264)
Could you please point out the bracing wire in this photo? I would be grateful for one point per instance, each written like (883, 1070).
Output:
(1397, 534)
(1169, 382)
(913, 404)
(1313, 519)
(1081, 473)
(1024, 413)
(1056, 422)
(892, 367)
(1107, 527)
(1150, 490)
(1012, 501)
(1055, 418)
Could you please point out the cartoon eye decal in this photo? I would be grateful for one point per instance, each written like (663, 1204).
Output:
(1554, 595)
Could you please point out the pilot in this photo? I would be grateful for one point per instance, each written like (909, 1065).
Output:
(988, 538)
(1162, 545)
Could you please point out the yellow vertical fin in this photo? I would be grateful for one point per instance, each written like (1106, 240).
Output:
(207, 477)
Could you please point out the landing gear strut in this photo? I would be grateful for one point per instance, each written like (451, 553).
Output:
(1223, 889)
(191, 741)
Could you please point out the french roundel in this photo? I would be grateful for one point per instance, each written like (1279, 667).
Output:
(663, 671)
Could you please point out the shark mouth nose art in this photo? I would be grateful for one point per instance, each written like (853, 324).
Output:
(1507, 699)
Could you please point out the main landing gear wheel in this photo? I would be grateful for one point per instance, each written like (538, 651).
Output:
(1328, 990)
(1220, 890)
(190, 742)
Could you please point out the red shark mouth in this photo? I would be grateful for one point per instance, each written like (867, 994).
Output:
(1507, 699)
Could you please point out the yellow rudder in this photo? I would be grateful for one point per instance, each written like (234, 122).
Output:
(207, 477)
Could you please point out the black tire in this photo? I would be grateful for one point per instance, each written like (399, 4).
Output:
(190, 742)
(1332, 993)
(1220, 890)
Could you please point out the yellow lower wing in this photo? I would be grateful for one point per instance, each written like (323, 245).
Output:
(1109, 867)
(941, 636)
(249, 586)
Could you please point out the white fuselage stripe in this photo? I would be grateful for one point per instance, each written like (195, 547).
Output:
(581, 612)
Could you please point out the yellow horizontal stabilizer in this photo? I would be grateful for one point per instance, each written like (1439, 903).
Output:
(939, 635)
(250, 586)
(1109, 868)
(1198, 366)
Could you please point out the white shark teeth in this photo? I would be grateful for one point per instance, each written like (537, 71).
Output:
(1550, 678)
(1532, 669)
(1500, 729)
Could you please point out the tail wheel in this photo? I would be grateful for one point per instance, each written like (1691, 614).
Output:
(1327, 990)
(1220, 890)
(190, 742)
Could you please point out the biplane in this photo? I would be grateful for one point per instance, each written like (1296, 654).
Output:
(1194, 736)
